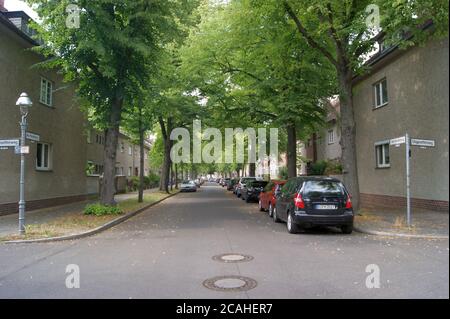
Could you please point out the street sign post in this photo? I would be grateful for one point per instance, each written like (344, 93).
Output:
(33, 137)
(408, 180)
(9, 143)
(398, 141)
(410, 142)
(422, 143)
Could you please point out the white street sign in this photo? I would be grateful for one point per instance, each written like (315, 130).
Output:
(398, 140)
(9, 143)
(423, 143)
(33, 137)
(25, 150)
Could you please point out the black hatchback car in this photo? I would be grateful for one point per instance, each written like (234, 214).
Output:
(305, 202)
(250, 191)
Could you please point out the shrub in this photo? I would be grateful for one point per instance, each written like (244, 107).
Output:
(283, 172)
(150, 181)
(318, 168)
(98, 209)
(334, 167)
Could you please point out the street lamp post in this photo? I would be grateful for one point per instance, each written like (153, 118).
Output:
(24, 102)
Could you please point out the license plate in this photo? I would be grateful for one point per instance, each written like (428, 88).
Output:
(328, 207)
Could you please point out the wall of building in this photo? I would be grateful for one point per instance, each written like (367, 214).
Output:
(61, 125)
(418, 103)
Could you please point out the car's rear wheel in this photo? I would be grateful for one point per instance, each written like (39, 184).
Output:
(291, 226)
(347, 229)
(275, 215)
(270, 210)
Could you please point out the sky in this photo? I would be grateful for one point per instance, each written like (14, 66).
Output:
(17, 5)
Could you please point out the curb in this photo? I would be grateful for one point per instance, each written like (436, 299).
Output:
(381, 233)
(92, 231)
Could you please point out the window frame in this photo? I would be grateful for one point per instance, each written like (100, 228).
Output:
(46, 99)
(333, 139)
(382, 146)
(49, 157)
(378, 95)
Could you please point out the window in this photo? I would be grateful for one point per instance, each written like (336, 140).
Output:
(130, 171)
(99, 139)
(380, 93)
(130, 150)
(382, 154)
(46, 96)
(98, 169)
(331, 137)
(43, 156)
(122, 147)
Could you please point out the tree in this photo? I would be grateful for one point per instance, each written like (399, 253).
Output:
(343, 32)
(117, 44)
(138, 120)
(244, 60)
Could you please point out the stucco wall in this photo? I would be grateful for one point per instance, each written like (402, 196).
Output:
(418, 82)
(329, 151)
(60, 125)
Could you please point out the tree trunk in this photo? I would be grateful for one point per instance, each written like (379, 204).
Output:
(291, 150)
(165, 172)
(108, 188)
(176, 176)
(348, 135)
(141, 164)
(252, 169)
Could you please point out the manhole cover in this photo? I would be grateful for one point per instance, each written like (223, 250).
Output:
(230, 283)
(232, 258)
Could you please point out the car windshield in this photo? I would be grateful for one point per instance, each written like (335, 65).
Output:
(247, 180)
(323, 188)
(258, 184)
(187, 182)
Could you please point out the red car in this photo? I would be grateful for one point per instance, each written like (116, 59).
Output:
(267, 198)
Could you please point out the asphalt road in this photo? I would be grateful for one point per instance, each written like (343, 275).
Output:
(166, 252)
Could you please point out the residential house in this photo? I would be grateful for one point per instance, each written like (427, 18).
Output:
(406, 91)
(55, 166)
(66, 156)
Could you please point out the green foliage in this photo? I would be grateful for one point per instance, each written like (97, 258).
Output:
(334, 167)
(318, 168)
(151, 181)
(283, 172)
(98, 209)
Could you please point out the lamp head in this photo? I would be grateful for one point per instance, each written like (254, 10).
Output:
(24, 102)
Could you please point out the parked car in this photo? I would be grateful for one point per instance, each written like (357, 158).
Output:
(188, 186)
(225, 181)
(251, 190)
(304, 202)
(267, 199)
(231, 183)
(241, 184)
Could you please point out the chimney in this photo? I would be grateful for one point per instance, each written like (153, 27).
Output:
(2, 6)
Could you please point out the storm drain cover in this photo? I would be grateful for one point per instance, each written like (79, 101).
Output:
(230, 283)
(232, 258)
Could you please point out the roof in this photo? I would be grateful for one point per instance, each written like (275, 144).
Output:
(384, 57)
(4, 20)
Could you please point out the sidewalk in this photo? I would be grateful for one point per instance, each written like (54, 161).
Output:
(425, 223)
(9, 223)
